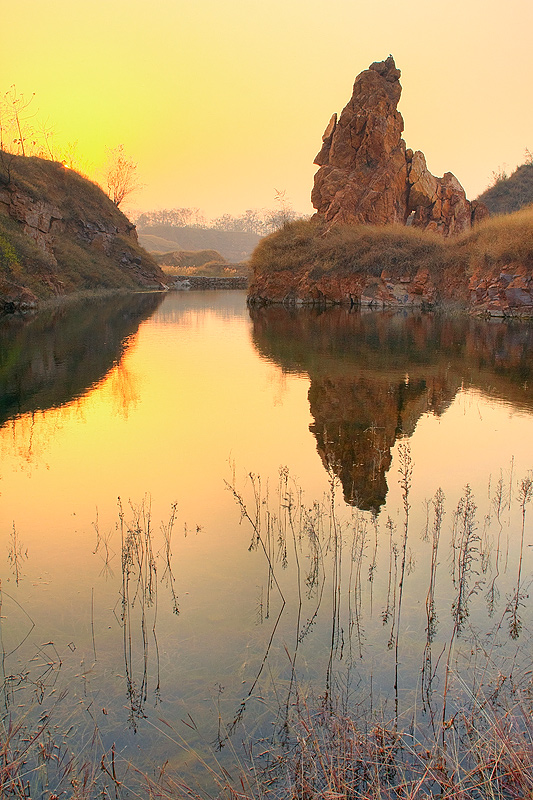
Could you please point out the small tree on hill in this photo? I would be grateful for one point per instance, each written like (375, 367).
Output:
(120, 175)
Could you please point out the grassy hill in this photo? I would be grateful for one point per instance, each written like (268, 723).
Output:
(188, 258)
(510, 193)
(489, 269)
(60, 233)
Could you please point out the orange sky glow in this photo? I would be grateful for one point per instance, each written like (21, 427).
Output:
(222, 103)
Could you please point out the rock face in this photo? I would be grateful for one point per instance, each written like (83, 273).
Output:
(368, 176)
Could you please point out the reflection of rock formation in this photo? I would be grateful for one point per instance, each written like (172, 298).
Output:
(51, 358)
(373, 375)
(366, 174)
(357, 421)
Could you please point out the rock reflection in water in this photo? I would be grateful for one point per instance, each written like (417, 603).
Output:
(374, 374)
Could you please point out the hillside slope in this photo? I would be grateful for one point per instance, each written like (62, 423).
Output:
(512, 193)
(60, 233)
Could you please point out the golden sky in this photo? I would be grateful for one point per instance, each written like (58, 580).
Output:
(221, 102)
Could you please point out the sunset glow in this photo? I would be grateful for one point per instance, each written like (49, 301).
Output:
(222, 103)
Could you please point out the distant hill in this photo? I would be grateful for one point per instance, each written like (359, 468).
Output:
(156, 244)
(511, 193)
(188, 258)
(200, 263)
(234, 246)
(60, 233)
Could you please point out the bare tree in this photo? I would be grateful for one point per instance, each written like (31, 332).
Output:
(16, 107)
(120, 175)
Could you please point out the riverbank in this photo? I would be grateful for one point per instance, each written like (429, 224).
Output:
(486, 271)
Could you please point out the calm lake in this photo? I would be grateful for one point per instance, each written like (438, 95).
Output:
(207, 512)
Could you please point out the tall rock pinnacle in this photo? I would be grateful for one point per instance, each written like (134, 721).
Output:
(367, 176)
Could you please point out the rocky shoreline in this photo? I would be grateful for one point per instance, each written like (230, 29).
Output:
(506, 292)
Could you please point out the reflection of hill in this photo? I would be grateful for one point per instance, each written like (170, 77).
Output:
(51, 358)
(373, 375)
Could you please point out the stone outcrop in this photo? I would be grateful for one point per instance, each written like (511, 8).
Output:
(382, 291)
(499, 291)
(367, 176)
(502, 291)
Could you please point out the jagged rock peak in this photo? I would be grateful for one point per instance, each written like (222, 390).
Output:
(367, 176)
(387, 69)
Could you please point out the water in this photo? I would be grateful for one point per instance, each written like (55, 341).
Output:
(168, 640)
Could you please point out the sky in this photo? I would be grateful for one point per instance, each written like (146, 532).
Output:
(222, 103)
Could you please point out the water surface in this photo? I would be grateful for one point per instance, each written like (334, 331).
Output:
(137, 437)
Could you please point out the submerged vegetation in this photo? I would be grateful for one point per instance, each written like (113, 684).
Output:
(463, 731)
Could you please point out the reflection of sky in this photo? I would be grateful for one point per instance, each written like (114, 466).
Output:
(187, 400)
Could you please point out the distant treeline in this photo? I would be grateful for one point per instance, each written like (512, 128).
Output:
(253, 220)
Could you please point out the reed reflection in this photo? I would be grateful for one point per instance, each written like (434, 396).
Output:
(373, 375)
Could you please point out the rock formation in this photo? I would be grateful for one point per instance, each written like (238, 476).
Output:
(368, 176)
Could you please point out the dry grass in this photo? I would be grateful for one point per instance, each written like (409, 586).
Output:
(501, 240)
(348, 249)
(77, 261)
(368, 249)
(509, 194)
(213, 269)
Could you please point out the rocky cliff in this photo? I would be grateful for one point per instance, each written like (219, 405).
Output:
(59, 232)
(367, 175)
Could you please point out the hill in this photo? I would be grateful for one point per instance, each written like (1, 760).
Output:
(234, 246)
(60, 233)
(510, 193)
(188, 258)
(486, 270)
